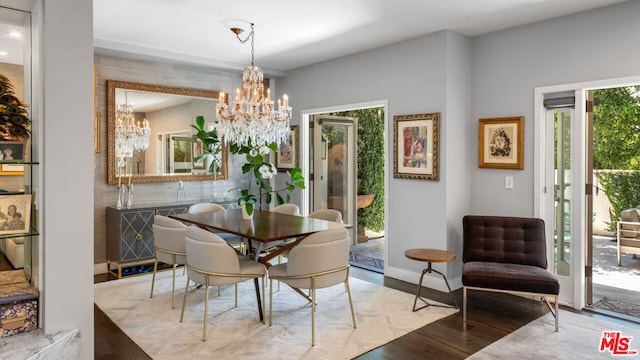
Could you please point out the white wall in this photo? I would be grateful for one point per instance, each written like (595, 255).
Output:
(415, 76)
(508, 65)
(63, 60)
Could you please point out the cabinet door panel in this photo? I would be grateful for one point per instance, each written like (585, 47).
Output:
(137, 235)
(172, 211)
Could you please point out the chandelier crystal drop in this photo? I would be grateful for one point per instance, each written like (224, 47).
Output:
(252, 116)
(130, 135)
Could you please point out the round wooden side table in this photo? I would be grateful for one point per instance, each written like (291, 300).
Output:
(430, 256)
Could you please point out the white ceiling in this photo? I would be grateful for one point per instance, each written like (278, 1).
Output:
(290, 34)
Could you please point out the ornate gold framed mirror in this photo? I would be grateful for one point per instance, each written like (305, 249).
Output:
(169, 113)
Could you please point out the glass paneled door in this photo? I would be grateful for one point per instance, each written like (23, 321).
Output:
(562, 206)
(562, 191)
(335, 166)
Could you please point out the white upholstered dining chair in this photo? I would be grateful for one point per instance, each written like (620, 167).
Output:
(204, 207)
(291, 209)
(212, 262)
(234, 240)
(320, 260)
(168, 247)
(327, 214)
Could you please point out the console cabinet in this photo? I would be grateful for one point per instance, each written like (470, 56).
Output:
(130, 234)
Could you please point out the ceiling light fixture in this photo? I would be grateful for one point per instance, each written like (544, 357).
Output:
(253, 118)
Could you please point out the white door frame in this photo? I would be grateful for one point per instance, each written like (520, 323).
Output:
(574, 285)
(304, 154)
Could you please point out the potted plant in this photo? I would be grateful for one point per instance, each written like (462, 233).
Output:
(246, 201)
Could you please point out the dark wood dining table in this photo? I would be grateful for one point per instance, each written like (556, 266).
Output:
(265, 227)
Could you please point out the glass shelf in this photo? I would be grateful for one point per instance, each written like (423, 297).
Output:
(31, 233)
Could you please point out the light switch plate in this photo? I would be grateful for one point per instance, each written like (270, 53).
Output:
(508, 182)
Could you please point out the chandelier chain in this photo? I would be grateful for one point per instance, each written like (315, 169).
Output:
(250, 35)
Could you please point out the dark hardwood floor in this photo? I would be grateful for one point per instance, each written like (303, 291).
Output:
(491, 316)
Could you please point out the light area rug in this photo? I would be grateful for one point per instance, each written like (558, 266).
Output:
(382, 314)
(579, 337)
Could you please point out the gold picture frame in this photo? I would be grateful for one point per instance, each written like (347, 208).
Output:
(416, 145)
(287, 155)
(501, 143)
(96, 114)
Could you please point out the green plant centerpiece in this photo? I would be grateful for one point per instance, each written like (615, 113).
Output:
(262, 171)
(211, 146)
(247, 200)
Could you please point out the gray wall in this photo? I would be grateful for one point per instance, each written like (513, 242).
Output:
(508, 65)
(423, 75)
(493, 75)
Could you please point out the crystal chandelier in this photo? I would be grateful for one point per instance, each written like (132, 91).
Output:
(253, 117)
(130, 135)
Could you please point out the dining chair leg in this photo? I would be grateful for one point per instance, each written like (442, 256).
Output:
(264, 305)
(206, 312)
(313, 314)
(270, 299)
(219, 290)
(184, 301)
(236, 286)
(153, 278)
(279, 262)
(173, 284)
(353, 314)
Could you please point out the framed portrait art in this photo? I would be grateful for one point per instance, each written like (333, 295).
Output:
(12, 151)
(15, 214)
(416, 145)
(501, 143)
(287, 156)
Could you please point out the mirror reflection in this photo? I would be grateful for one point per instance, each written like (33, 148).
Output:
(151, 136)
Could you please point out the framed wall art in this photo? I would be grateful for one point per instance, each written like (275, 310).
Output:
(12, 151)
(501, 143)
(15, 214)
(416, 144)
(287, 156)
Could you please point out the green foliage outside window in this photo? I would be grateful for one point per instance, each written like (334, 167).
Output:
(616, 146)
